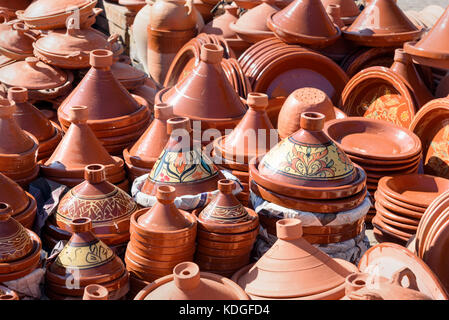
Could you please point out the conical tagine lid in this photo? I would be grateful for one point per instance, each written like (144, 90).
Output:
(349, 9)
(15, 241)
(220, 25)
(13, 194)
(308, 158)
(101, 91)
(182, 163)
(292, 267)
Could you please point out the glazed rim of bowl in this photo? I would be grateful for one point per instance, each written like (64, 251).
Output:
(410, 48)
(339, 128)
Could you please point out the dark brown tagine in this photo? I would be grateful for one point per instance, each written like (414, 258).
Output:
(18, 148)
(116, 117)
(161, 237)
(79, 148)
(20, 248)
(182, 163)
(32, 120)
(83, 261)
(225, 218)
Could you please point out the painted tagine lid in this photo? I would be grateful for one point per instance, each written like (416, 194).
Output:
(308, 158)
(188, 283)
(206, 93)
(244, 142)
(220, 24)
(382, 24)
(293, 268)
(252, 26)
(304, 22)
(349, 9)
(15, 241)
(16, 40)
(108, 206)
(182, 163)
(225, 214)
(164, 216)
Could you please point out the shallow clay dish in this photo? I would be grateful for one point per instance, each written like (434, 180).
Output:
(396, 202)
(392, 216)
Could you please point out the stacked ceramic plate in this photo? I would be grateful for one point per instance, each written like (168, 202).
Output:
(379, 147)
(401, 202)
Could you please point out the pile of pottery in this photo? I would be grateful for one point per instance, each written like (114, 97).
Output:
(226, 233)
(381, 148)
(188, 283)
(85, 260)
(294, 269)
(108, 207)
(161, 237)
(252, 137)
(401, 202)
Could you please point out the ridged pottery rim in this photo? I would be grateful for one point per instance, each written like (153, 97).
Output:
(383, 40)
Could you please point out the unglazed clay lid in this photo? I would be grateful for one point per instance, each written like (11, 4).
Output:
(101, 91)
(110, 202)
(13, 194)
(79, 147)
(125, 72)
(28, 116)
(349, 9)
(15, 5)
(308, 158)
(15, 241)
(164, 216)
(16, 39)
(15, 140)
(244, 142)
(32, 74)
(220, 25)
(292, 267)
(206, 93)
(188, 283)
(45, 8)
(306, 21)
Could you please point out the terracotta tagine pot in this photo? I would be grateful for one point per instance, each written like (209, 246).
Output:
(90, 261)
(172, 24)
(188, 283)
(95, 292)
(244, 142)
(204, 87)
(20, 247)
(8, 9)
(382, 24)
(433, 49)
(182, 163)
(304, 22)
(16, 41)
(108, 206)
(294, 269)
(42, 80)
(18, 151)
(78, 148)
(140, 33)
(131, 78)
(34, 121)
(50, 15)
(69, 48)
(220, 24)
(304, 100)
(252, 26)
(23, 204)
(144, 153)
(349, 9)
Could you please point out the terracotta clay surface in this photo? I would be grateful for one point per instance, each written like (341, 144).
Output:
(95, 292)
(16, 41)
(220, 24)
(349, 10)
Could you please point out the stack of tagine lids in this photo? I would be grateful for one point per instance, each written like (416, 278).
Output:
(401, 202)
(108, 207)
(188, 283)
(294, 269)
(23, 204)
(20, 248)
(78, 148)
(83, 261)
(252, 137)
(381, 148)
(161, 237)
(226, 233)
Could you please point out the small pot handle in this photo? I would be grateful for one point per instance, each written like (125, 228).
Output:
(405, 272)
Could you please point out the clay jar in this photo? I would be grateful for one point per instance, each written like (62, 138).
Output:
(304, 100)
(140, 34)
(92, 261)
(141, 157)
(188, 283)
(182, 163)
(172, 24)
(18, 148)
(108, 207)
(16, 41)
(33, 121)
